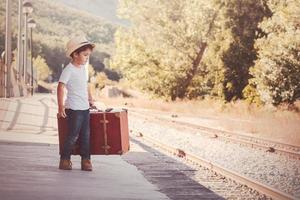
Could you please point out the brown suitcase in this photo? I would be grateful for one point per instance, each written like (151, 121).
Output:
(108, 133)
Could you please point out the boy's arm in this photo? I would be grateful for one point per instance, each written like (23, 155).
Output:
(91, 99)
(60, 99)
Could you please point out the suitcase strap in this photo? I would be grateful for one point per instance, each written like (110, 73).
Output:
(105, 146)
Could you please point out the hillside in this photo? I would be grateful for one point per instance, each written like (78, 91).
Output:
(105, 9)
(56, 23)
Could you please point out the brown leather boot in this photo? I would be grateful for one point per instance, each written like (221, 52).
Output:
(65, 164)
(86, 165)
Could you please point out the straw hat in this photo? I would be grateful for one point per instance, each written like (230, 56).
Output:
(75, 43)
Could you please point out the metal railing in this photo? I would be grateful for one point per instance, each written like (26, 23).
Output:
(15, 88)
(2, 79)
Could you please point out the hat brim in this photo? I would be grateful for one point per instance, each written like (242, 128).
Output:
(70, 51)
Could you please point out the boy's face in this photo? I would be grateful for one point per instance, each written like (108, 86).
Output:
(82, 57)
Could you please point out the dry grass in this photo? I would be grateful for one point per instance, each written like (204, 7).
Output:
(280, 125)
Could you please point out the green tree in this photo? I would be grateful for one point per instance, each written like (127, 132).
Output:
(43, 71)
(277, 69)
(162, 51)
(91, 71)
(231, 53)
(189, 48)
(100, 80)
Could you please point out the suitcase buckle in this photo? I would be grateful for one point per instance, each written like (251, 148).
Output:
(106, 147)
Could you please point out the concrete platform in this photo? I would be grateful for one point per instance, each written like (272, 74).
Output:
(29, 163)
(29, 160)
(30, 171)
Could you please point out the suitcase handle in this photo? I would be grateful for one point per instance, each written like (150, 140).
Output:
(108, 109)
(94, 108)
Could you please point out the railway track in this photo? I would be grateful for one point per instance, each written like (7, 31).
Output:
(253, 142)
(229, 174)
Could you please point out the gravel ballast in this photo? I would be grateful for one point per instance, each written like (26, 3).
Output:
(275, 170)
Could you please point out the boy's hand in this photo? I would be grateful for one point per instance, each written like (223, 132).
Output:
(62, 112)
(91, 102)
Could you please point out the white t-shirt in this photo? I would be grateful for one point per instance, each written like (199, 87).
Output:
(76, 81)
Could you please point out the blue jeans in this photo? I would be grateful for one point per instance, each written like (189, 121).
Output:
(78, 125)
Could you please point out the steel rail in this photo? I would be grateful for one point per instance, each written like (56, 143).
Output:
(253, 184)
(241, 139)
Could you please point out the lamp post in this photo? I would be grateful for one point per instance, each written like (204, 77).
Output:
(7, 66)
(19, 45)
(27, 9)
(31, 25)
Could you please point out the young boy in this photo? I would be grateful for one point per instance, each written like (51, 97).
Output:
(78, 100)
